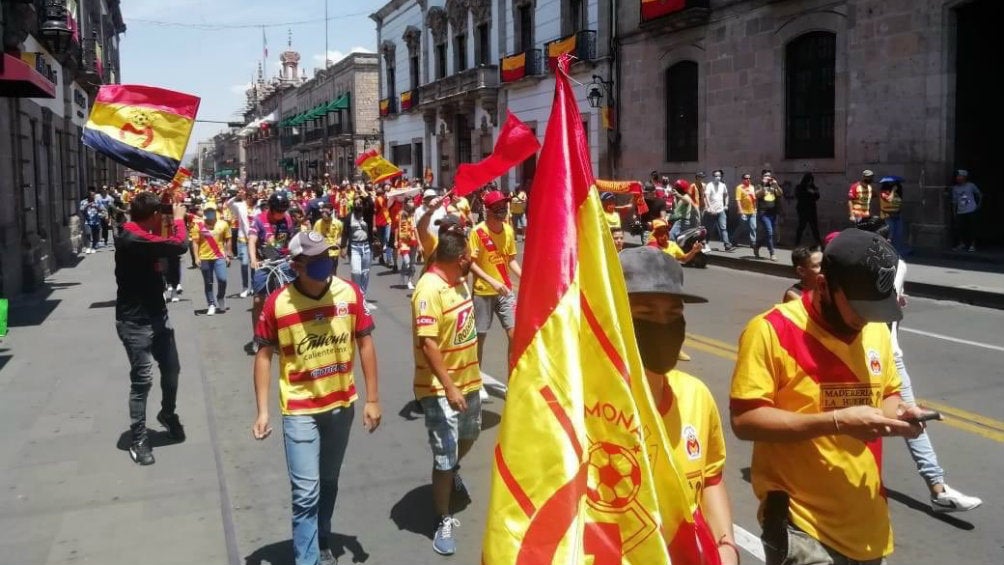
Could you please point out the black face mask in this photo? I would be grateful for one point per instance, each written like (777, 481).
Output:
(831, 315)
(660, 344)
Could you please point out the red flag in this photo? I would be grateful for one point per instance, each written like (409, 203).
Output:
(515, 144)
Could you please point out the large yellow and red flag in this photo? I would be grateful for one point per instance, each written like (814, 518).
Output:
(582, 473)
(376, 167)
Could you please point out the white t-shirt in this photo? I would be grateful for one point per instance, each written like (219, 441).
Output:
(716, 194)
(898, 282)
(964, 196)
(239, 211)
(437, 214)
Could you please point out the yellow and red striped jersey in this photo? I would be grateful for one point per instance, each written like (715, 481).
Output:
(789, 359)
(492, 252)
(315, 338)
(212, 242)
(445, 312)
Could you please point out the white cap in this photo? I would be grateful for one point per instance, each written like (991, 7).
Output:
(308, 243)
(430, 193)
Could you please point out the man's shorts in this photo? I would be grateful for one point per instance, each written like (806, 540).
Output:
(486, 307)
(447, 427)
(260, 278)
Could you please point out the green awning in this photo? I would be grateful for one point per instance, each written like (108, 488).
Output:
(317, 112)
(297, 120)
(340, 103)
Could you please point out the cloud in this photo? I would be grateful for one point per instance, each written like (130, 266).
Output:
(337, 55)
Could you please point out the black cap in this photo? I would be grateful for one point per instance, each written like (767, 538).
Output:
(647, 269)
(449, 222)
(863, 265)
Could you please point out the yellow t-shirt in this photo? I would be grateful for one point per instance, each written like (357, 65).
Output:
(445, 312)
(331, 229)
(613, 219)
(518, 203)
(788, 359)
(746, 199)
(492, 252)
(200, 234)
(463, 206)
(315, 339)
(671, 249)
(694, 428)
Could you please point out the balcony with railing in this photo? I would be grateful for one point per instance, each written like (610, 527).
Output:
(91, 66)
(314, 134)
(515, 67)
(337, 129)
(408, 100)
(672, 16)
(481, 78)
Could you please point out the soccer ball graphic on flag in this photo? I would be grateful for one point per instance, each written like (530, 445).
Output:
(614, 476)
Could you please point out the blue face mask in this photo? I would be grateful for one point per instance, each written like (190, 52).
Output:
(320, 269)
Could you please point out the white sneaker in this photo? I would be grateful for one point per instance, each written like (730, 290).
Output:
(172, 296)
(178, 289)
(951, 500)
(211, 310)
(411, 285)
(245, 293)
(972, 248)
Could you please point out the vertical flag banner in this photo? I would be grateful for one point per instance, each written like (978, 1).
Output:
(582, 470)
(651, 9)
(513, 68)
(376, 167)
(143, 127)
(515, 144)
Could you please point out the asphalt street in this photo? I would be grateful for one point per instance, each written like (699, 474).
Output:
(72, 495)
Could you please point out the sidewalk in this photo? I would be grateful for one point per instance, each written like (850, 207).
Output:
(980, 283)
(70, 492)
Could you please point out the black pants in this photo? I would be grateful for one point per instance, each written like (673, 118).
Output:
(964, 224)
(173, 274)
(145, 342)
(807, 218)
(106, 227)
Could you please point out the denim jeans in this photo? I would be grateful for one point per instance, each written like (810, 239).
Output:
(768, 219)
(245, 259)
(217, 268)
(361, 256)
(145, 342)
(315, 448)
(721, 221)
(895, 224)
(388, 251)
(678, 226)
(407, 264)
(748, 220)
(920, 447)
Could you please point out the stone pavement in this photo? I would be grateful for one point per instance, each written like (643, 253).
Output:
(70, 492)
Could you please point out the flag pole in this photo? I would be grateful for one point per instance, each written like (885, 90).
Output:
(326, 35)
(264, 52)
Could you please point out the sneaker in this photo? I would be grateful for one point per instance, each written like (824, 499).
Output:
(211, 310)
(222, 305)
(443, 542)
(141, 452)
(951, 500)
(245, 293)
(178, 289)
(773, 257)
(171, 295)
(756, 252)
(411, 285)
(173, 425)
(730, 248)
(683, 356)
(327, 558)
(972, 248)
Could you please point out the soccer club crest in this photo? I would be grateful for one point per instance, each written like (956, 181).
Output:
(874, 363)
(341, 309)
(466, 330)
(691, 443)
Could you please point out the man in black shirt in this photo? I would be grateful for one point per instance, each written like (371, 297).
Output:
(141, 315)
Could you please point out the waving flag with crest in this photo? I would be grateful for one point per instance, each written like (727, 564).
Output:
(582, 470)
(143, 127)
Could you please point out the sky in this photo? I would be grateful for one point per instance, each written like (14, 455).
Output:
(196, 46)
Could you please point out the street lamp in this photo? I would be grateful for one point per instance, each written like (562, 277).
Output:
(596, 90)
(55, 29)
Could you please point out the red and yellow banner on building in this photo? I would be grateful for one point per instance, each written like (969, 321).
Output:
(556, 49)
(143, 127)
(385, 107)
(514, 67)
(376, 167)
(406, 101)
(598, 483)
(651, 9)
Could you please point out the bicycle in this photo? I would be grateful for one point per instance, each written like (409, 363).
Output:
(277, 270)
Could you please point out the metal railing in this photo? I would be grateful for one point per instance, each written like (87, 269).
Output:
(477, 78)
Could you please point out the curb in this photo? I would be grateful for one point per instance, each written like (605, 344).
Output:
(969, 296)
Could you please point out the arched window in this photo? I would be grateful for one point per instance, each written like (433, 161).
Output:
(810, 68)
(681, 112)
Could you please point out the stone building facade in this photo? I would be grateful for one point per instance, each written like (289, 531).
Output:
(55, 56)
(821, 86)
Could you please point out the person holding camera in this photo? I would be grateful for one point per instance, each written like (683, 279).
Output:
(141, 314)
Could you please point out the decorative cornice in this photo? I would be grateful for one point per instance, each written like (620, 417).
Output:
(412, 38)
(456, 11)
(481, 10)
(436, 21)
